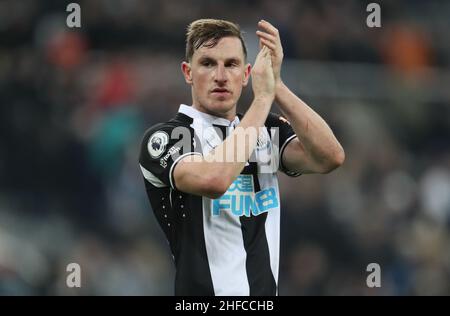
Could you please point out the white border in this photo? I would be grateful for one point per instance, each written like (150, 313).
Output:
(176, 161)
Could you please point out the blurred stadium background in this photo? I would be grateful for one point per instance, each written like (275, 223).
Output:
(74, 104)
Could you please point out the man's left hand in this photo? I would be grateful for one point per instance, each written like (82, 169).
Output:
(270, 37)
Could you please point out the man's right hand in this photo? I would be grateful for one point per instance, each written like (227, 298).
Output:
(263, 81)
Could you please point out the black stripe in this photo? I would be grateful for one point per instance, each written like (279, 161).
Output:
(185, 233)
(259, 272)
(160, 202)
(186, 239)
(193, 275)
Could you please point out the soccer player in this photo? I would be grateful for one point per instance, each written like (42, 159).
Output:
(210, 173)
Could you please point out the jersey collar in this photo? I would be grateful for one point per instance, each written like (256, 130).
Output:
(210, 119)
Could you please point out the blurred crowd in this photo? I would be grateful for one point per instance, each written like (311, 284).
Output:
(74, 104)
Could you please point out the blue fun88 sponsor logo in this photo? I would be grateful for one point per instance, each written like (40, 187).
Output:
(241, 200)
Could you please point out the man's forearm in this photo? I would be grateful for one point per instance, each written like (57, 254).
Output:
(229, 158)
(313, 132)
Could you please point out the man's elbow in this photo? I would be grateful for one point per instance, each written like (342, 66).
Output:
(334, 161)
(215, 186)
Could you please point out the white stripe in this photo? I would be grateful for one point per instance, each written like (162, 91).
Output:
(170, 198)
(285, 144)
(175, 163)
(223, 240)
(150, 177)
(226, 252)
(287, 171)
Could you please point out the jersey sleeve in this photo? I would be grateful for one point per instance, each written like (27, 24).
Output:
(281, 131)
(163, 146)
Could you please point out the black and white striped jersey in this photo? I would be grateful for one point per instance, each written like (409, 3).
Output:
(226, 246)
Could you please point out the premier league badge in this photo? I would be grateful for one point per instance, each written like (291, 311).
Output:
(157, 144)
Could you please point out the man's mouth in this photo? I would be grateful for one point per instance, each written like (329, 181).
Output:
(221, 91)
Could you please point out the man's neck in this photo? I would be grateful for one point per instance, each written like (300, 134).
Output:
(230, 115)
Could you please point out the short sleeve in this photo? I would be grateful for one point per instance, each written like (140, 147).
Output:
(163, 146)
(281, 131)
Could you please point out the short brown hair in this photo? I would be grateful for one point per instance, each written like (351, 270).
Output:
(208, 32)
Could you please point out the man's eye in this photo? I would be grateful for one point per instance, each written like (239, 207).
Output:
(206, 64)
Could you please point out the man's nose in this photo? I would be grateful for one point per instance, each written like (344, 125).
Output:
(220, 75)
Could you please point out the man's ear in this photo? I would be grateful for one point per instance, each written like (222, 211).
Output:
(186, 69)
(248, 69)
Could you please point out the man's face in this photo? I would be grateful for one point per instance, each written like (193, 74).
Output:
(217, 76)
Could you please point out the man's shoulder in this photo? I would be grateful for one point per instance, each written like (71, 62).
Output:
(179, 120)
(164, 126)
(164, 140)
